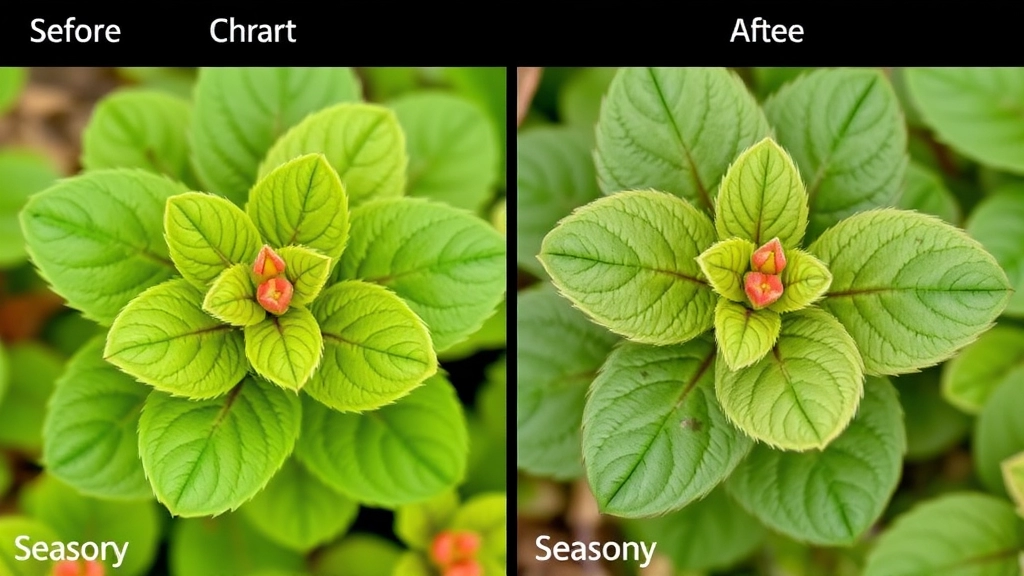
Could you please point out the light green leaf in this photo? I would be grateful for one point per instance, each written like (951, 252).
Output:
(192, 453)
(724, 264)
(362, 142)
(998, 223)
(98, 238)
(709, 534)
(376, 350)
(675, 130)
(490, 336)
(485, 515)
(164, 338)
(845, 130)
(302, 202)
(975, 110)
(910, 289)
(999, 431)
(969, 378)
(240, 112)
(22, 173)
(654, 439)
(832, 496)
(558, 355)
(89, 434)
(579, 99)
(307, 270)
(447, 264)
(206, 235)
(453, 151)
(805, 280)
(412, 564)
(232, 297)
(198, 548)
(285, 349)
(555, 174)
(1013, 479)
(139, 128)
(418, 523)
(933, 426)
(485, 85)
(11, 527)
(629, 262)
(762, 197)
(924, 191)
(958, 534)
(358, 555)
(84, 519)
(12, 81)
(768, 79)
(743, 335)
(401, 453)
(33, 370)
(298, 511)
(802, 395)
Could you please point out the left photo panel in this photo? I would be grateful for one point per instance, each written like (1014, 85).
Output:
(252, 321)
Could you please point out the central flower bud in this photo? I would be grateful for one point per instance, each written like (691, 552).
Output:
(275, 295)
(268, 264)
(455, 553)
(768, 259)
(762, 289)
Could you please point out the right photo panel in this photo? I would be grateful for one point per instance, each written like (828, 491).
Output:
(769, 321)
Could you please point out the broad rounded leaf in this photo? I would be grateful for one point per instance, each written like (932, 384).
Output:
(165, 339)
(762, 197)
(998, 223)
(206, 235)
(404, 452)
(198, 548)
(802, 394)
(557, 357)
(845, 131)
(22, 174)
(11, 527)
(911, 289)
(743, 335)
(447, 264)
(302, 202)
(924, 191)
(654, 439)
(362, 142)
(999, 431)
(579, 98)
(307, 270)
(805, 280)
(1013, 479)
(359, 554)
(232, 297)
(724, 264)
(240, 112)
(969, 379)
(958, 534)
(192, 453)
(89, 435)
(975, 110)
(376, 350)
(933, 425)
(675, 129)
(98, 238)
(832, 496)
(33, 368)
(285, 349)
(629, 261)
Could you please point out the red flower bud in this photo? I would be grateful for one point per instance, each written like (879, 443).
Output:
(452, 547)
(275, 295)
(762, 289)
(769, 259)
(465, 568)
(83, 568)
(268, 264)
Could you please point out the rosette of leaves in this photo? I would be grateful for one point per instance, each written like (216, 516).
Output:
(748, 288)
(272, 344)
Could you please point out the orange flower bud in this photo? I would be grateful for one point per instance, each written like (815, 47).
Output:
(275, 295)
(465, 568)
(769, 259)
(83, 568)
(452, 547)
(268, 264)
(762, 289)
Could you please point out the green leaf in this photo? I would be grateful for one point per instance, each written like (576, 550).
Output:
(362, 142)
(924, 191)
(33, 370)
(358, 555)
(975, 110)
(709, 534)
(285, 349)
(192, 453)
(724, 264)
(743, 335)
(401, 453)
(206, 235)
(802, 395)
(84, 519)
(453, 151)
(164, 338)
(933, 426)
(958, 534)
(675, 130)
(555, 174)
(829, 497)
(558, 355)
(376, 350)
(1013, 479)
(22, 174)
(447, 264)
(969, 378)
(998, 223)
(629, 262)
(12, 81)
(910, 289)
(307, 270)
(485, 515)
(654, 439)
(999, 431)
(232, 297)
(240, 112)
(418, 523)
(579, 100)
(11, 527)
(490, 336)
(845, 130)
(298, 511)
(762, 197)
(98, 238)
(139, 128)
(200, 547)
(412, 564)
(805, 280)
(302, 202)
(89, 434)
(769, 79)
(486, 87)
